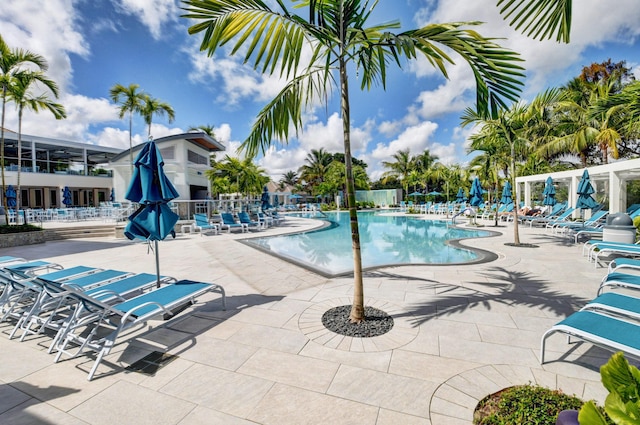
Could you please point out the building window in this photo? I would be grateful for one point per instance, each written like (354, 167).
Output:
(195, 158)
(168, 153)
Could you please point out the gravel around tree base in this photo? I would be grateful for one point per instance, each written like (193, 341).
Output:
(376, 322)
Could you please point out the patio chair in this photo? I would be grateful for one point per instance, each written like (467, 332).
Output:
(244, 218)
(84, 333)
(620, 280)
(556, 210)
(603, 330)
(599, 248)
(55, 309)
(565, 226)
(622, 263)
(228, 222)
(202, 224)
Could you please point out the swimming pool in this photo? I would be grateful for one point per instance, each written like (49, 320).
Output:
(385, 240)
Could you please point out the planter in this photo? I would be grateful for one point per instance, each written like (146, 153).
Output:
(9, 240)
(568, 417)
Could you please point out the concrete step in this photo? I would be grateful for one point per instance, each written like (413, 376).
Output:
(80, 232)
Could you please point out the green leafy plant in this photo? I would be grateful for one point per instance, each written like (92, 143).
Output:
(21, 228)
(524, 404)
(622, 404)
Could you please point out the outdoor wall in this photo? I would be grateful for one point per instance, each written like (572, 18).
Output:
(382, 197)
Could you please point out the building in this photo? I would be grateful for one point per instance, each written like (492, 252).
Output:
(48, 165)
(94, 173)
(186, 158)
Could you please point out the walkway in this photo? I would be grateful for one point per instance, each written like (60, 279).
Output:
(461, 332)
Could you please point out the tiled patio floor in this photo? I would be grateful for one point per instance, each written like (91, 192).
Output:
(460, 333)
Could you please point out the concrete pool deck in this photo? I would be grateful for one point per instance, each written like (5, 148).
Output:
(460, 333)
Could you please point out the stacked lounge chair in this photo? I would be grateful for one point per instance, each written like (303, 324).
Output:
(80, 306)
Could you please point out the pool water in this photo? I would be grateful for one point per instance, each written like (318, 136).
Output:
(385, 240)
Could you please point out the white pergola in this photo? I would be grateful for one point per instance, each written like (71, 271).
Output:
(609, 181)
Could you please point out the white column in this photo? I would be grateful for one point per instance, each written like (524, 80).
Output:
(527, 193)
(617, 193)
(573, 195)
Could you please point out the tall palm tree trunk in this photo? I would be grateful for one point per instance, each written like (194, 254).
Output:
(516, 233)
(357, 308)
(4, 198)
(18, 191)
(130, 145)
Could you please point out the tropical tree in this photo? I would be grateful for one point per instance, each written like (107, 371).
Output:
(290, 178)
(21, 93)
(131, 101)
(243, 175)
(207, 129)
(13, 61)
(152, 106)
(335, 31)
(514, 128)
(400, 168)
(313, 172)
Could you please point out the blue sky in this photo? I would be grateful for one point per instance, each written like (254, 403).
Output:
(92, 45)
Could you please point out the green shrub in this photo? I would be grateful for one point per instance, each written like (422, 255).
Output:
(623, 402)
(21, 228)
(524, 404)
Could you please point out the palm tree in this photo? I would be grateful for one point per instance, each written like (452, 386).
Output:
(207, 129)
(335, 32)
(513, 128)
(152, 106)
(400, 168)
(21, 94)
(290, 178)
(579, 129)
(12, 61)
(317, 163)
(131, 101)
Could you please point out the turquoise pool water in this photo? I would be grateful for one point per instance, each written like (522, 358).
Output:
(385, 240)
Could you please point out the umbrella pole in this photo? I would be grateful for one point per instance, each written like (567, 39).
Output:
(157, 266)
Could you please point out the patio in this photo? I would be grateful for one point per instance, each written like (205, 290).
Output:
(460, 333)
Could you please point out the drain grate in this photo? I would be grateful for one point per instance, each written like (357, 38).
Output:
(151, 363)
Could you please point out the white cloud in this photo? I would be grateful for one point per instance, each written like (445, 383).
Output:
(278, 161)
(152, 13)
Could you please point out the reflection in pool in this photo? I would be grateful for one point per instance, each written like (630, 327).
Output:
(385, 240)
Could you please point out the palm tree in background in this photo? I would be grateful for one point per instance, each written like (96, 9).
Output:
(207, 129)
(336, 33)
(290, 178)
(21, 93)
(131, 101)
(152, 106)
(13, 61)
(400, 168)
(317, 163)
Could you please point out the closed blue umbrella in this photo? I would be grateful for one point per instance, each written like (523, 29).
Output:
(264, 200)
(506, 194)
(66, 196)
(112, 197)
(476, 193)
(460, 196)
(11, 196)
(549, 193)
(585, 189)
(153, 190)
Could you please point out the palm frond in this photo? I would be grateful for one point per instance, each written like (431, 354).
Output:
(285, 110)
(540, 19)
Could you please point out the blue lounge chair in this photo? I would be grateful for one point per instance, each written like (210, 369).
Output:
(53, 309)
(246, 219)
(228, 222)
(620, 280)
(83, 334)
(622, 263)
(202, 224)
(607, 248)
(565, 226)
(612, 333)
